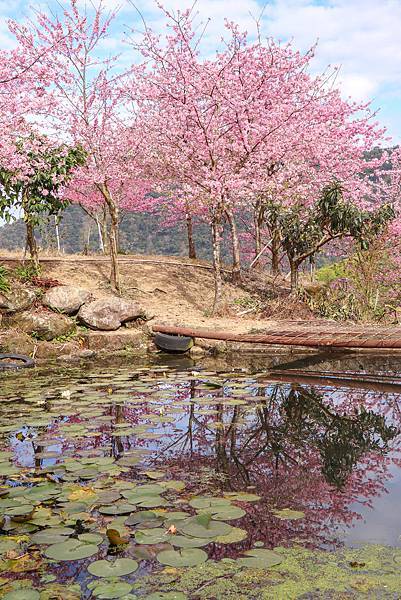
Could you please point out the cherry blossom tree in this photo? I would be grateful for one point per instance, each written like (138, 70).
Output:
(247, 124)
(89, 109)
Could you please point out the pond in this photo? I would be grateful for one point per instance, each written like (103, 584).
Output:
(175, 479)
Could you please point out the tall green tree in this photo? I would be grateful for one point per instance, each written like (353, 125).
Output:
(303, 232)
(37, 192)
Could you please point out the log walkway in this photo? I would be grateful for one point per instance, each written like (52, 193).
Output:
(310, 334)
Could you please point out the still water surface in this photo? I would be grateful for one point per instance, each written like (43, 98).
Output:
(328, 452)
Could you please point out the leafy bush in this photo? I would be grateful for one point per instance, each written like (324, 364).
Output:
(331, 271)
(4, 285)
(367, 288)
(27, 273)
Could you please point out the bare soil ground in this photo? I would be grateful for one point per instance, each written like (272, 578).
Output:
(172, 290)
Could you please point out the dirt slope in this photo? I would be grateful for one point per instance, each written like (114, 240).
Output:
(173, 290)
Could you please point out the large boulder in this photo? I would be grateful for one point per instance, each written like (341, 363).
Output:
(43, 326)
(66, 299)
(17, 299)
(16, 342)
(107, 314)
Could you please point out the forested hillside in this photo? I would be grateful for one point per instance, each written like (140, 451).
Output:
(139, 233)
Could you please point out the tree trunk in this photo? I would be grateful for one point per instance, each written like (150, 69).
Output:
(100, 235)
(104, 231)
(191, 243)
(236, 268)
(113, 247)
(258, 222)
(31, 243)
(275, 252)
(294, 276)
(56, 226)
(218, 284)
(312, 267)
(112, 238)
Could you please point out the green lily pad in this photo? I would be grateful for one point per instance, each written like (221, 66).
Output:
(260, 558)
(166, 596)
(148, 489)
(181, 541)
(48, 537)
(145, 501)
(236, 535)
(287, 513)
(71, 550)
(243, 496)
(22, 594)
(20, 513)
(8, 469)
(144, 516)
(117, 509)
(152, 536)
(228, 513)
(187, 557)
(155, 474)
(209, 502)
(91, 538)
(172, 484)
(118, 568)
(6, 545)
(109, 590)
(201, 527)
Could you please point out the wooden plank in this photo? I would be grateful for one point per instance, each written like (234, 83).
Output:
(338, 339)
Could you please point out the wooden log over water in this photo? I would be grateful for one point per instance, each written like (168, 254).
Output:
(314, 336)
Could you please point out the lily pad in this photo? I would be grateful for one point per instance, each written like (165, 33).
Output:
(151, 536)
(187, 557)
(228, 513)
(208, 502)
(109, 590)
(166, 596)
(91, 538)
(117, 509)
(287, 513)
(181, 541)
(48, 537)
(22, 594)
(260, 558)
(71, 550)
(242, 496)
(20, 513)
(204, 528)
(118, 568)
(236, 535)
(155, 474)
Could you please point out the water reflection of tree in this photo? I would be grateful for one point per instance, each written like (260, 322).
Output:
(298, 447)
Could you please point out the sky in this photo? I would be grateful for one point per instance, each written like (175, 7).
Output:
(362, 37)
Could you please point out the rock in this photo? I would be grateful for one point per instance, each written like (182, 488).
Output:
(213, 346)
(197, 351)
(125, 339)
(66, 299)
(77, 356)
(107, 314)
(51, 350)
(17, 300)
(44, 326)
(16, 342)
(152, 348)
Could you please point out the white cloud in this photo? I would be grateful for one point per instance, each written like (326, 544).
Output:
(363, 36)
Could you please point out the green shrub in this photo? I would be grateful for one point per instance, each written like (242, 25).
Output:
(27, 272)
(4, 285)
(331, 271)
